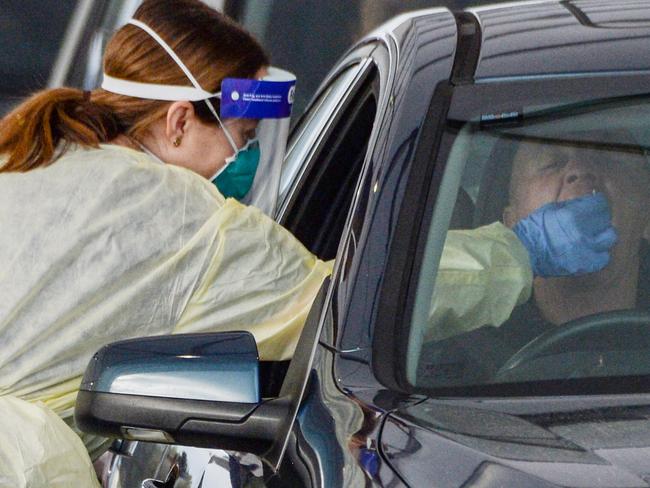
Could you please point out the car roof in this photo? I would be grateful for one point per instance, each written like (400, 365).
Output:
(562, 37)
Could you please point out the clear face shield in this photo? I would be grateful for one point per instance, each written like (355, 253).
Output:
(254, 115)
(263, 107)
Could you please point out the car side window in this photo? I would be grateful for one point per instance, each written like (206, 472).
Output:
(563, 187)
(327, 164)
(311, 127)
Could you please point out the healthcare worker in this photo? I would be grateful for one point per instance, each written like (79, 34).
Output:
(120, 218)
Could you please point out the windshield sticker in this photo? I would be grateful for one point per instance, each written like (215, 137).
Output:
(506, 117)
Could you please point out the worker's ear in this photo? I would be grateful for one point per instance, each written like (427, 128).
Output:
(179, 118)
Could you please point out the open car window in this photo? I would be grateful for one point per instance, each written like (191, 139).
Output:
(325, 160)
(312, 128)
(480, 323)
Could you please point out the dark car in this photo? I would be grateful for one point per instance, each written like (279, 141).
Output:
(417, 367)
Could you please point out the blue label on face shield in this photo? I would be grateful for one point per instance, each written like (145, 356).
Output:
(256, 99)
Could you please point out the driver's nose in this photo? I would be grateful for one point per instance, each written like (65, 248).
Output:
(580, 172)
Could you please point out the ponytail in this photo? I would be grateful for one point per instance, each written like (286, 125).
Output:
(30, 135)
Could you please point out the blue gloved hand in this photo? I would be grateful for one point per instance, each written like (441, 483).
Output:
(566, 238)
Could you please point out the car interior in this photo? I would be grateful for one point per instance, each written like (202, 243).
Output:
(318, 215)
(484, 193)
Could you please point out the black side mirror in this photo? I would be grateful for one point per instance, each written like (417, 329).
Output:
(192, 389)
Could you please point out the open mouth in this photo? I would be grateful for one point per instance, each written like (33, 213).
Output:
(577, 190)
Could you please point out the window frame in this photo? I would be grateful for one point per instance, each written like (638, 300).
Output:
(361, 66)
(398, 293)
(294, 386)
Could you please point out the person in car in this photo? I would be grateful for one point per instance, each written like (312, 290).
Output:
(544, 174)
(580, 215)
(117, 222)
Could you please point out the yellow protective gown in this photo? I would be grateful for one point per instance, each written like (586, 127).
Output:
(107, 244)
(483, 274)
(39, 450)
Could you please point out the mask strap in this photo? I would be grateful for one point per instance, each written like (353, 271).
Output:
(147, 151)
(232, 158)
(185, 70)
(154, 91)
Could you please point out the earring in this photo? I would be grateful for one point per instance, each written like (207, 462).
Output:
(177, 142)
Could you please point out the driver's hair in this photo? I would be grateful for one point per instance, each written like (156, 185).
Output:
(622, 142)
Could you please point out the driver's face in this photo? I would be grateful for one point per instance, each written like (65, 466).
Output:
(545, 173)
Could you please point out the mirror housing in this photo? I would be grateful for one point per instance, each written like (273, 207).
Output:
(191, 389)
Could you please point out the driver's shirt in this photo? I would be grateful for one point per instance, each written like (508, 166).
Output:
(475, 357)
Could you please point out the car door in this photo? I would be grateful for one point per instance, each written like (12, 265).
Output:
(335, 440)
(317, 210)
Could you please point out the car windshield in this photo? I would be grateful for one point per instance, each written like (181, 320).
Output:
(480, 319)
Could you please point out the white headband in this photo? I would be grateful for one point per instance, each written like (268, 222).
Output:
(151, 91)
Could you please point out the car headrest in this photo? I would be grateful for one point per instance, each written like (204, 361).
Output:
(493, 192)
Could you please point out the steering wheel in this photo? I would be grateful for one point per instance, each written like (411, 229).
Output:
(604, 344)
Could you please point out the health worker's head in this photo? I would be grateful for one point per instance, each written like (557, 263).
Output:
(212, 47)
(184, 133)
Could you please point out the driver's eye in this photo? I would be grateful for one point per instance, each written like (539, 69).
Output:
(552, 165)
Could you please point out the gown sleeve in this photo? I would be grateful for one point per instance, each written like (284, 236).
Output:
(484, 274)
(258, 278)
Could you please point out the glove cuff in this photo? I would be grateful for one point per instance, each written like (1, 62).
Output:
(527, 234)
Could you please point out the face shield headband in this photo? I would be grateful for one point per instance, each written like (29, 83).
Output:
(268, 100)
